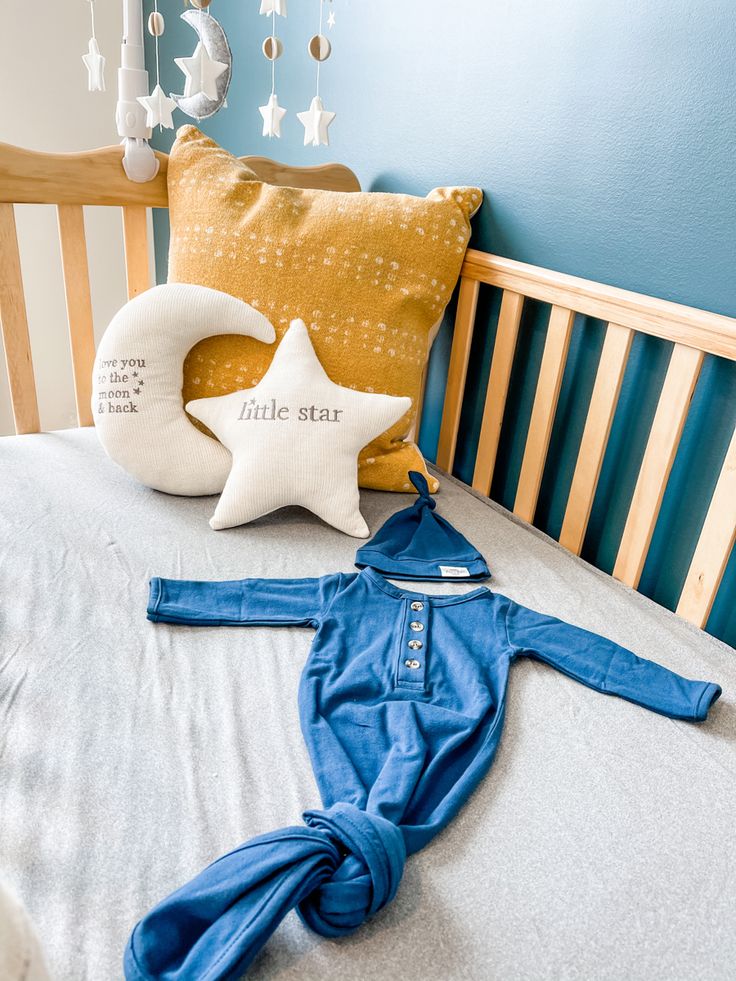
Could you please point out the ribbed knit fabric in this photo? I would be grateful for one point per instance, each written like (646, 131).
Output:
(136, 397)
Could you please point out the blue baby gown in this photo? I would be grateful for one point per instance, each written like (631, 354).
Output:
(401, 703)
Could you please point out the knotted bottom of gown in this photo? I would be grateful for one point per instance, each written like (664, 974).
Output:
(338, 870)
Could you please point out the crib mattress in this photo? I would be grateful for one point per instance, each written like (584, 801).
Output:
(600, 845)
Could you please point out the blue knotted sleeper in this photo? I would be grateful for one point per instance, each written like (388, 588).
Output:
(401, 703)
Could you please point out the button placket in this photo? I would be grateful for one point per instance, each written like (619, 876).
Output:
(412, 655)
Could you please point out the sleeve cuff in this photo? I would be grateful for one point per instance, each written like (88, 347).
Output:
(711, 693)
(154, 597)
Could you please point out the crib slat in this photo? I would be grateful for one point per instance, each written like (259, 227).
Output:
(664, 438)
(14, 325)
(420, 406)
(507, 332)
(135, 234)
(603, 401)
(78, 305)
(543, 411)
(457, 372)
(714, 546)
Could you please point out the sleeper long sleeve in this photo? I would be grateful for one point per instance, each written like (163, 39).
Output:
(401, 702)
(246, 602)
(607, 667)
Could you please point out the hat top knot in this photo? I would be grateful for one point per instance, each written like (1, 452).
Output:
(422, 488)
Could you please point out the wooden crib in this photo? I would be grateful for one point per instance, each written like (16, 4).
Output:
(71, 181)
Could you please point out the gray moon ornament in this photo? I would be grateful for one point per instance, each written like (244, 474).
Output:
(215, 43)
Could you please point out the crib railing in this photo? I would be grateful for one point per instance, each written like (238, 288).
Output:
(69, 181)
(694, 333)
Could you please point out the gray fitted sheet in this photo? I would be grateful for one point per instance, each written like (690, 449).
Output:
(600, 846)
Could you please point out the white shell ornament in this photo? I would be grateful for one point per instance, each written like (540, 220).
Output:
(272, 48)
(156, 24)
(214, 50)
(319, 47)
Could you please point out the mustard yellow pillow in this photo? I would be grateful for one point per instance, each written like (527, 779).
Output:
(369, 273)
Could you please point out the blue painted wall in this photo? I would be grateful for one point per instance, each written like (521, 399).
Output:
(603, 135)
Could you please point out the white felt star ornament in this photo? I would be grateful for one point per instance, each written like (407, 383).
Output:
(201, 73)
(273, 7)
(331, 19)
(159, 108)
(315, 122)
(272, 115)
(95, 63)
(295, 439)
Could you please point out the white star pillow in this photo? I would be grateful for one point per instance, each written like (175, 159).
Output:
(295, 439)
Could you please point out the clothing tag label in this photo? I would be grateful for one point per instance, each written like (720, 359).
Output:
(454, 571)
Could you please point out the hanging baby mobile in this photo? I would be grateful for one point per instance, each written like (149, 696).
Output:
(158, 105)
(209, 69)
(207, 72)
(93, 60)
(316, 119)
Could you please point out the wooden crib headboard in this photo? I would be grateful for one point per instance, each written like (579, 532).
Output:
(71, 181)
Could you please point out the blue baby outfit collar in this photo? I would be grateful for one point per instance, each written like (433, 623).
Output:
(419, 544)
(434, 599)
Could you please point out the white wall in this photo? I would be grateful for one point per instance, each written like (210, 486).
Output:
(46, 106)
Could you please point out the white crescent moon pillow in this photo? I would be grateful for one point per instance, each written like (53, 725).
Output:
(137, 382)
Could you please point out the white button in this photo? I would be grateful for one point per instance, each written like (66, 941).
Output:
(412, 664)
(416, 605)
(416, 625)
(415, 644)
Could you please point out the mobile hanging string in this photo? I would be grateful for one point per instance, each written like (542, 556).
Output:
(316, 120)
(272, 47)
(159, 107)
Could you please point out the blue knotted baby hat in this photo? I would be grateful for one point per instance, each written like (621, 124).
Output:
(417, 543)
